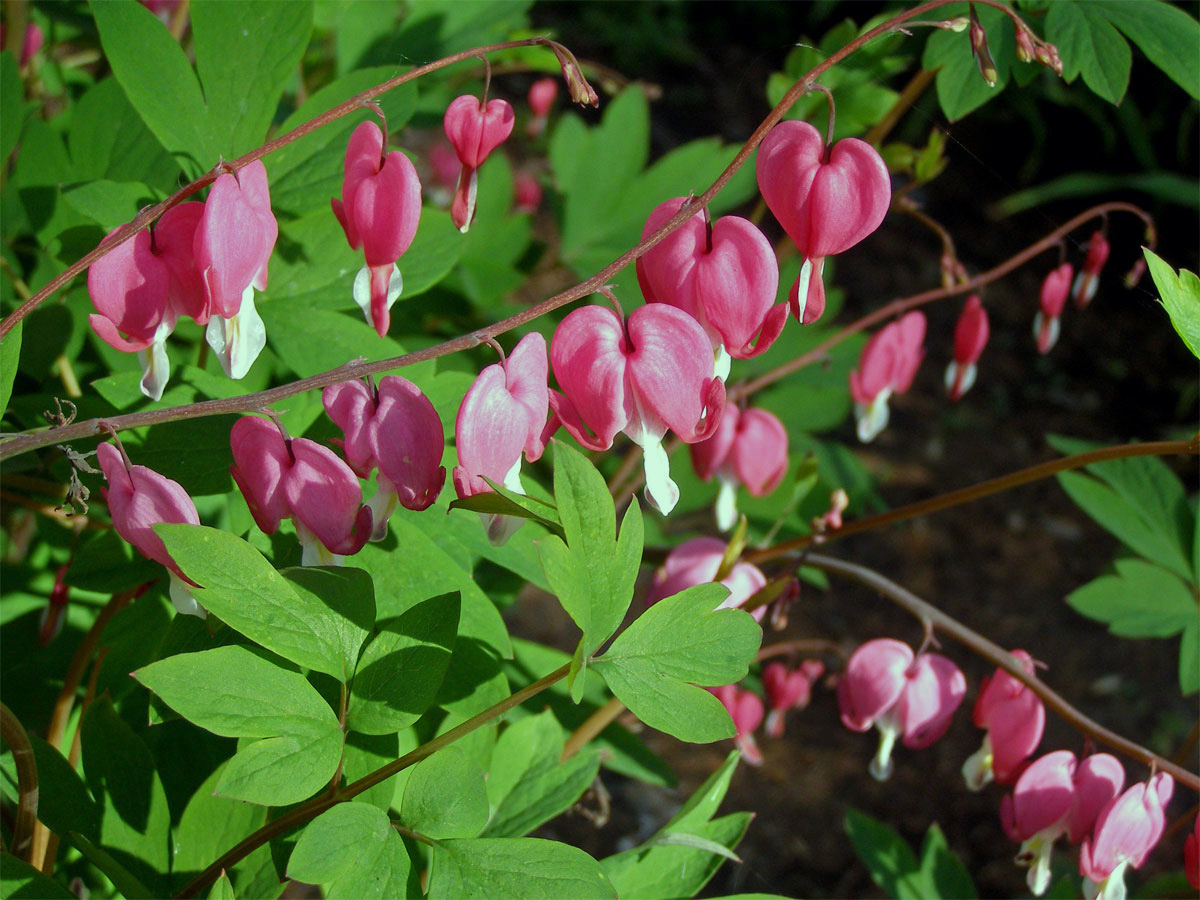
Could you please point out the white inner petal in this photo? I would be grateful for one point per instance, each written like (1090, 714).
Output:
(382, 505)
(806, 271)
(156, 368)
(721, 363)
(181, 598)
(362, 290)
(726, 506)
(874, 418)
(662, 492)
(237, 341)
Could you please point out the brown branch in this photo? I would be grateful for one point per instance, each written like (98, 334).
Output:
(931, 616)
(592, 726)
(249, 402)
(977, 491)
(27, 782)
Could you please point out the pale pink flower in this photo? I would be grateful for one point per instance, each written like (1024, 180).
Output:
(887, 366)
(1014, 718)
(746, 710)
(474, 130)
(749, 447)
(788, 689)
(1126, 832)
(697, 562)
(1055, 290)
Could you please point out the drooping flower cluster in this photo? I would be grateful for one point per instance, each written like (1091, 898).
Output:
(887, 366)
(203, 260)
(138, 499)
(723, 274)
(903, 697)
(643, 376)
(826, 199)
(379, 211)
(1062, 283)
(474, 129)
(749, 447)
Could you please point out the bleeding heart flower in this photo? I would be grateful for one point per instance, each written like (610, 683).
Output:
(1035, 814)
(826, 201)
(138, 499)
(723, 274)
(1014, 717)
(379, 211)
(393, 428)
(641, 376)
(474, 130)
(697, 562)
(502, 415)
(1126, 832)
(234, 240)
(527, 193)
(788, 689)
(913, 699)
(746, 710)
(296, 478)
(749, 448)
(887, 366)
(970, 337)
(1055, 290)
(1088, 278)
(1191, 856)
(32, 43)
(541, 97)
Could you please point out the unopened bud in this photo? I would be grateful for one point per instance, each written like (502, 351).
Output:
(953, 271)
(979, 47)
(50, 622)
(1134, 275)
(577, 86)
(1025, 46)
(957, 25)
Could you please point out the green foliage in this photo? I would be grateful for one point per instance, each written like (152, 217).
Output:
(352, 851)
(594, 571)
(212, 824)
(680, 642)
(527, 784)
(21, 881)
(681, 857)
(445, 796)
(960, 87)
(232, 692)
(1142, 503)
(10, 354)
(1180, 296)
(318, 620)
(897, 871)
(524, 868)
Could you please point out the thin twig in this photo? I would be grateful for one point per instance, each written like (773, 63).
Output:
(592, 726)
(931, 616)
(27, 782)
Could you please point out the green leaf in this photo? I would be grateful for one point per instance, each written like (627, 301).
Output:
(1139, 500)
(109, 140)
(679, 642)
(529, 784)
(135, 826)
(211, 825)
(246, 53)
(960, 86)
(1189, 659)
(703, 804)
(445, 796)
(942, 869)
(430, 570)
(521, 868)
(896, 870)
(123, 880)
(593, 573)
(403, 667)
(234, 693)
(157, 79)
(110, 203)
(21, 881)
(1166, 34)
(1089, 44)
(10, 355)
(1140, 601)
(244, 590)
(676, 864)
(64, 804)
(12, 111)
(1180, 295)
(194, 452)
(352, 851)
(501, 501)
(222, 888)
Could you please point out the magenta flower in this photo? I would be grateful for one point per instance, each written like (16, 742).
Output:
(1055, 290)
(1088, 278)
(1126, 831)
(296, 478)
(379, 211)
(542, 94)
(143, 286)
(904, 697)
(527, 193)
(887, 366)
(912, 699)
(970, 337)
(746, 710)
(749, 448)
(30, 45)
(138, 499)
(395, 429)
(233, 244)
(788, 689)
(1014, 718)
(474, 130)
(723, 274)
(1191, 856)
(697, 562)
(826, 201)
(643, 376)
